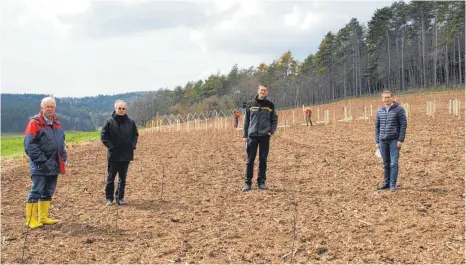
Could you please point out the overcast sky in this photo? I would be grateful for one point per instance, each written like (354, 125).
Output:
(84, 48)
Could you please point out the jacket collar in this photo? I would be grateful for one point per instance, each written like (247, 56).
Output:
(257, 98)
(42, 121)
(114, 115)
(394, 104)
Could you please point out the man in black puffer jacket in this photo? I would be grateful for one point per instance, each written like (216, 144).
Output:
(120, 135)
(390, 132)
(260, 122)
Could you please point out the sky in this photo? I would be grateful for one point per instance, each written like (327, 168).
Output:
(77, 48)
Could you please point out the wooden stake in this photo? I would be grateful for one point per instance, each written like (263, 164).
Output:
(459, 109)
(365, 116)
(449, 107)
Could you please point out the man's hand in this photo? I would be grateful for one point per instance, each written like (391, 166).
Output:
(376, 145)
(245, 139)
(398, 144)
(270, 134)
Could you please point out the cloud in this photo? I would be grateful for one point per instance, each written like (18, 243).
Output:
(83, 47)
(113, 18)
(271, 28)
(198, 38)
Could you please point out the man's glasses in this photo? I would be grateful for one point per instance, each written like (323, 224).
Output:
(122, 108)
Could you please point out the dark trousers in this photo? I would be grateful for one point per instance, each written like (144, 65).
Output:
(112, 169)
(236, 122)
(308, 120)
(263, 143)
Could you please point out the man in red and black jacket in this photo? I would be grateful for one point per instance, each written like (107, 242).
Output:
(308, 113)
(260, 123)
(44, 143)
(237, 117)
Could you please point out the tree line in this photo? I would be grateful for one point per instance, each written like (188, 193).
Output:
(403, 47)
(75, 114)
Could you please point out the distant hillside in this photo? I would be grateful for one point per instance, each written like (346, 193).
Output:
(76, 114)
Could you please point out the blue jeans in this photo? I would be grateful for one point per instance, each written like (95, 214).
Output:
(43, 188)
(390, 154)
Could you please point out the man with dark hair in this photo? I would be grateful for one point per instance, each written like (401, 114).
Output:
(120, 136)
(390, 132)
(260, 123)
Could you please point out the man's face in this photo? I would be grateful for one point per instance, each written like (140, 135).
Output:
(387, 99)
(48, 109)
(120, 108)
(263, 91)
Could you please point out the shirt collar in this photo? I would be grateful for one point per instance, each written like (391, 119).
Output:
(49, 122)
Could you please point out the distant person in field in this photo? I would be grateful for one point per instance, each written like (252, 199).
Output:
(390, 132)
(44, 143)
(308, 113)
(120, 136)
(260, 123)
(237, 117)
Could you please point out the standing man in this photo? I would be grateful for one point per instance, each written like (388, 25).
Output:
(308, 116)
(390, 132)
(260, 123)
(237, 116)
(120, 136)
(44, 143)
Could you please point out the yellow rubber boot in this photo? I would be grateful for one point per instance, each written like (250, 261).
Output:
(31, 211)
(44, 207)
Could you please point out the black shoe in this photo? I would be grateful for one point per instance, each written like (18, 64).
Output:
(246, 188)
(108, 202)
(121, 202)
(383, 187)
(263, 187)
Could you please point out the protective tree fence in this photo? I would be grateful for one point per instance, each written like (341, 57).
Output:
(321, 115)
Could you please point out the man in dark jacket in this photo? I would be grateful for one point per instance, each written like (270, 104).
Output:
(44, 143)
(120, 135)
(260, 122)
(390, 132)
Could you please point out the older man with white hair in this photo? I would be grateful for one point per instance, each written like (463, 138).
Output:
(120, 136)
(44, 143)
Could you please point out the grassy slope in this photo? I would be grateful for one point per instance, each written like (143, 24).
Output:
(12, 144)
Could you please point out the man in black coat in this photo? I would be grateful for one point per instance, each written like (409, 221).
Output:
(120, 135)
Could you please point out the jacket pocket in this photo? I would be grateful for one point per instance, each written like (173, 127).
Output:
(265, 123)
(43, 168)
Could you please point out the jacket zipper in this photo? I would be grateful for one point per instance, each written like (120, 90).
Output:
(258, 119)
(386, 120)
(56, 142)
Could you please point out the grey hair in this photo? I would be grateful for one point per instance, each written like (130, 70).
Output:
(118, 101)
(48, 99)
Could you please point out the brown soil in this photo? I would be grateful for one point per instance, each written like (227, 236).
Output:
(185, 203)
